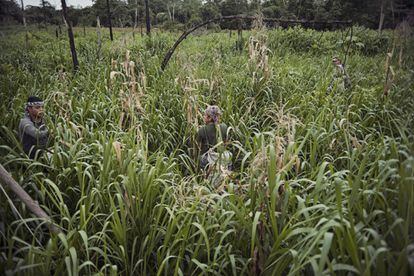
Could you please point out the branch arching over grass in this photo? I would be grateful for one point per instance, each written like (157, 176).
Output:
(7, 180)
(242, 17)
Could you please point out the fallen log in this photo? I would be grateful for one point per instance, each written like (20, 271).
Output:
(33, 206)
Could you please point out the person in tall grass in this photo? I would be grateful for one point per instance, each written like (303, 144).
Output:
(33, 132)
(340, 79)
(212, 139)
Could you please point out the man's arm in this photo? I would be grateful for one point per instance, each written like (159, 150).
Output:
(224, 130)
(198, 141)
(28, 128)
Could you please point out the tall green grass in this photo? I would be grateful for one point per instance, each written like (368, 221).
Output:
(323, 182)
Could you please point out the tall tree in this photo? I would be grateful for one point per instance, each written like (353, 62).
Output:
(171, 5)
(147, 18)
(47, 12)
(70, 34)
(382, 16)
(10, 12)
(26, 36)
(136, 15)
(98, 32)
(23, 17)
(109, 19)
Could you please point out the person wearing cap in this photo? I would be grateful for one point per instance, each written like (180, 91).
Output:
(210, 141)
(33, 132)
(340, 78)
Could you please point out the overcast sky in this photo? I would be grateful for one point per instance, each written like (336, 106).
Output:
(56, 3)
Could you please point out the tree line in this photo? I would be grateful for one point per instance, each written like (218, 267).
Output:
(180, 14)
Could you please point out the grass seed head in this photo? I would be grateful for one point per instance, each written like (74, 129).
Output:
(118, 151)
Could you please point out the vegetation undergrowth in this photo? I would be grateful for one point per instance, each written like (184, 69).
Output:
(323, 181)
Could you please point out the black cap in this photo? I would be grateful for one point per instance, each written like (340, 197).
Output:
(34, 99)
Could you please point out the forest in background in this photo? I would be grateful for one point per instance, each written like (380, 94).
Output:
(181, 14)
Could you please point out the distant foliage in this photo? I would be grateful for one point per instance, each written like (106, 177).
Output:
(363, 40)
(365, 13)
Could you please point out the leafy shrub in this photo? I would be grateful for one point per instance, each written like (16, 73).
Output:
(298, 39)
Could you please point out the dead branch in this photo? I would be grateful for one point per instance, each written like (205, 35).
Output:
(7, 180)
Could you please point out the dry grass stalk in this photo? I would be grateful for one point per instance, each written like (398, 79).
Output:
(139, 135)
(389, 73)
(142, 85)
(63, 102)
(297, 164)
(403, 31)
(131, 93)
(125, 64)
(215, 80)
(62, 74)
(284, 136)
(118, 151)
(114, 64)
(112, 76)
(280, 151)
(258, 58)
(355, 142)
(190, 87)
(258, 53)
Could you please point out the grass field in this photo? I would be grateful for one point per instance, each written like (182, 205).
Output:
(323, 181)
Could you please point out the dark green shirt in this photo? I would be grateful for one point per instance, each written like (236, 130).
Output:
(33, 135)
(206, 136)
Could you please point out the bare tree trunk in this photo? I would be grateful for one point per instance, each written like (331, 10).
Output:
(147, 18)
(44, 11)
(109, 19)
(382, 15)
(98, 32)
(135, 19)
(33, 206)
(71, 39)
(240, 39)
(23, 16)
(240, 36)
(136, 15)
(169, 12)
(64, 21)
(24, 24)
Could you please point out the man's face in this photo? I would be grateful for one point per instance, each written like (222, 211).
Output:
(36, 111)
(207, 119)
(336, 61)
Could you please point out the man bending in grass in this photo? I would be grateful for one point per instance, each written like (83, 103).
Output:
(211, 139)
(33, 132)
(340, 78)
